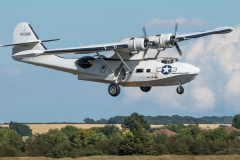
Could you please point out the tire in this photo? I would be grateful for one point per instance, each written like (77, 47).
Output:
(114, 89)
(180, 90)
(145, 89)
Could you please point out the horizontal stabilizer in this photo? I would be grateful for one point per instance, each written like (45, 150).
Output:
(50, 40)
(30, 42)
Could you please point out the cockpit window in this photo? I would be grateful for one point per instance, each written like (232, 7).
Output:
(85, 62)
(170, 60)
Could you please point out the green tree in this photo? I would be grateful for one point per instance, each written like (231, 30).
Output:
(116, 120)
(23, 130)
(107, 130)
(174, 127)
(134, 119)
(89, 121)
(54, 144)
(217, 134)
(10, 143)
(102, 121)
(136, 142)
(39, 146)
(70, 130)
(236, 121)
(87, 137)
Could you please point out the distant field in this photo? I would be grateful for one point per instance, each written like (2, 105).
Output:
(212, 126)
(41, 128)
(164, 157)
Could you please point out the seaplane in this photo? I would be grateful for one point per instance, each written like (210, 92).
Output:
(129, 65)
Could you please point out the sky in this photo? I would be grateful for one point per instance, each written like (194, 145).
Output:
(33, 94)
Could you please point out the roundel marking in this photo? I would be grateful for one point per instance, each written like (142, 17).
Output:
(166, 69)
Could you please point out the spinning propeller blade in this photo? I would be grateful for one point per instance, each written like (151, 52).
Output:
(176, 27)
(175, 43)
(144, 31)
(179, 50)
(145, 34)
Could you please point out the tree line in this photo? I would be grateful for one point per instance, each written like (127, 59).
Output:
(175, 119)
(136, 138)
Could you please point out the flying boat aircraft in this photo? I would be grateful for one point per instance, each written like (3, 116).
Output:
(128, 67)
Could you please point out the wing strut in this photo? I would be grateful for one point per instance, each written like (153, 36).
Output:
(105, 62)
(123, 61)
(157, 54)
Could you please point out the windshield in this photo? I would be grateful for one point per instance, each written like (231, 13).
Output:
(170, 60)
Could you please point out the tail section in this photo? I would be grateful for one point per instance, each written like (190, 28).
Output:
(24, 38)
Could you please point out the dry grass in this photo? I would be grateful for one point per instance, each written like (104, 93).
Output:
(212, 126)
(164, 157)
(41, 128)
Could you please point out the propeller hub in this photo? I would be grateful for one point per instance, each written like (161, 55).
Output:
(172, 40)
(146, 42)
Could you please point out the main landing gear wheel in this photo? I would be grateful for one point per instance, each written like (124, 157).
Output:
(114, 89)
(180, 90)
(145, 89)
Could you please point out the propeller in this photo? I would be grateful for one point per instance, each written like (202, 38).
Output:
(147, 46)
(174, 41)
(176, 27)
(144, 31)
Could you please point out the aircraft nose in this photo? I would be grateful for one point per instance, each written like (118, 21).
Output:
(197, 70)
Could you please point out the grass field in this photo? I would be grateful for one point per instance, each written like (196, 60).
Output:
(164, 157)
(41, 128)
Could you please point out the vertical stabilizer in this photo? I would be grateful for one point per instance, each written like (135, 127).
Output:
(23, 33)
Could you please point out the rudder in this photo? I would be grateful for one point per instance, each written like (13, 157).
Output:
(22, 33)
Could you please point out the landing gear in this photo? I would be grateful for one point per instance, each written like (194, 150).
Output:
(145, 89)
(114, 89)
(180, 90)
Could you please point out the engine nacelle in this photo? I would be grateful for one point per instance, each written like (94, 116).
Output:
(162, 41)
(136, 44)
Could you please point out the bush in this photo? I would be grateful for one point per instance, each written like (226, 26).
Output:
(174, 127)
(53, 144)
(112, 145)
(10, 143)
(107, 130)
(87, 137)
(38, 147)
(217, 134)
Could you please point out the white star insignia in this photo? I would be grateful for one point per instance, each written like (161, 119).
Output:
(166, 69)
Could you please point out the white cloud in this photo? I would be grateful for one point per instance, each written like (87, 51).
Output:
(12, 71)
(204, 99)
(234, 83)
(218, 84)
(181, 21)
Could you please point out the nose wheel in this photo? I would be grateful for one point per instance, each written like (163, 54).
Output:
(180, 90)
(114, 89)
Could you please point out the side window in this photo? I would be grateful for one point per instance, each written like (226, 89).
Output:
(148, 70)
(139, 70)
